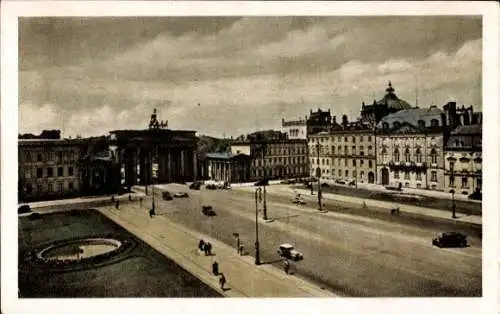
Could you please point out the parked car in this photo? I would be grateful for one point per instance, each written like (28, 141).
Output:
(324, 184)
(338, 181)
(23, 209)
(450, 239)
(166, 196)
(208, 211)
(287, 251)
(181, 194)
(211, 187)
(262, 182)
(195, 185)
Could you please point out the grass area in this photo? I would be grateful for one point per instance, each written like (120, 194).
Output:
(143, 272)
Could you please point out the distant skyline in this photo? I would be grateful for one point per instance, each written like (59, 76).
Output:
(87, 76)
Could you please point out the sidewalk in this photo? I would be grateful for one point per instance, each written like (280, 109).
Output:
(91, 200)
(244, 278)
(286, 190)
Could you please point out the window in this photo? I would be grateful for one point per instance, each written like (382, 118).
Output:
(419, 186)
(340, 173)
(370, 164)
(39, 157)
(327, 162)
(354, 139)
(39, 188)
(27, 156)
(385, 125)
(369, 138)
(452, 181)
(407, 185)
(396, 174)
(354, 149)
(407, 155)
(345, 150)
(347, 173)
(354, 162)
(433, 176)
(362, 174)
(407, 175)
(434, 123)
(27, 173)
(70, 186)
(51, 187)
(340, 150)
(396, 124)
(419, 176)
(345, 138)
(396, 154)
(361, 138)
(29, 188)
(464, 182)
(452, 166)
(333, 149)
(39, 172)
(50, 172)
(361, 161)
(433, 156)
(345, 162)
(418, 155)
(70, 171)
(421, 123)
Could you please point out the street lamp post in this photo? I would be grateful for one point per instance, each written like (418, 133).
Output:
(152, 184)
(318, 174)
(265, 183)
(257, 250)
(453, 206)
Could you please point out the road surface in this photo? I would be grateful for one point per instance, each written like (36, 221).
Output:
(347, 254)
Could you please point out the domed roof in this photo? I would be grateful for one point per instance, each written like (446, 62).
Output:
(392, 101)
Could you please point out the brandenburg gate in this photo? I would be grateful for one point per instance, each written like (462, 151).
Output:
(155, 155)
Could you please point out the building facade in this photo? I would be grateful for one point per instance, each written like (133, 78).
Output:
(229, 167)
(390, 103)
(410, 149)
(295, 129)
(49, 168)
(318, 121)
(463, 160)
(346, 153)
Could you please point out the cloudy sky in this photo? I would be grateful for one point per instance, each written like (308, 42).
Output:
(91, 75)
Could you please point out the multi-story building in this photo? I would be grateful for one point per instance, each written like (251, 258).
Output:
(463, 160)
(410, 149)
(346, 153)
(49, 168)
(295, 129)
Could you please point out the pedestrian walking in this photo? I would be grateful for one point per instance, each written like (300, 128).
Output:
(205, 248)
(140, 202)
(112, 198)
(209, 249)
(222, 281)
(286, 266)
(201, 244)
(215, 268)
(151, 213)
(240, 250)
(130, 197)
(117, 204)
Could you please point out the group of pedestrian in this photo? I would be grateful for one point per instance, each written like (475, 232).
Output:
(205, 247)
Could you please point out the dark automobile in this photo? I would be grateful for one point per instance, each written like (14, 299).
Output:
(287, 251)
(181, 194)
(23, 209)
(195, 185)
(166, 196)
(262, 182)
(208, 211)
(324, 184)
(450, 239)
(211, 187)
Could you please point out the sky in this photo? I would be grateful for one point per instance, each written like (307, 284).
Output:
(235, 75)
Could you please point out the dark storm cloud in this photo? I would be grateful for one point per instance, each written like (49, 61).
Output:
(91, 66)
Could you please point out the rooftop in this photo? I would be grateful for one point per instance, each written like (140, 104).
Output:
(413, 115)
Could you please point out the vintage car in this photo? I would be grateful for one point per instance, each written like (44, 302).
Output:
(195, 185)
(181, 194)
(450, 239)
(23, 209)
(208, 211)
(166, 196)
(287, 251)
(299, 200)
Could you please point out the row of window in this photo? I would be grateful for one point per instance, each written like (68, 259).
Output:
(418, 175)
(408, 157)
(280, 161)
(324, 150)
(465, 182)
(295, 132)
(337, 161)
(339, 139)
(421, 123)
(275, 172)
(29, 188)
(50, 156)
(300, 150)
(49, 173)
